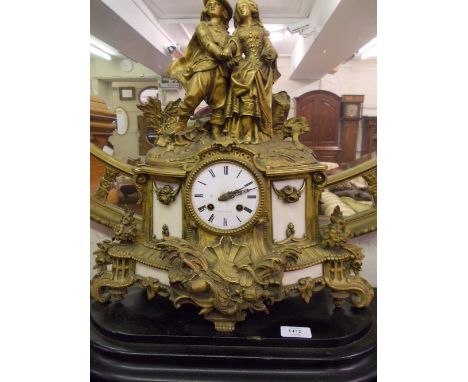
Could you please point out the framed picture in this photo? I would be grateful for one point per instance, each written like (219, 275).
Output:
(127, 94)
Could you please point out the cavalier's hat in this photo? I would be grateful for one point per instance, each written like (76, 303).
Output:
(225, 4)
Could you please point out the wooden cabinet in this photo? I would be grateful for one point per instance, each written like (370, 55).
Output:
(102, 121)
(322, 111)
(102, 124)
(334, 124)
(369, 135)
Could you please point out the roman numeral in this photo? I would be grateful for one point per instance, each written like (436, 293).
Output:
(239, 174)
(248, 184)
(251, 196)
(226, 170)
(211, 218)
(248, 210)
(225, 222)
(198, 195)
(212, 173)
(202, 183)
(202, 208)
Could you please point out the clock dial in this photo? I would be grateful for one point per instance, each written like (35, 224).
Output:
(225, 196)
(351, 110)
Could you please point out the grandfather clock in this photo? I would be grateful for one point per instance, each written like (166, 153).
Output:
(351, 111)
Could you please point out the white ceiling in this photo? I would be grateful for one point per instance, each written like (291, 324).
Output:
(143, 29)
(190, 9)
(180, 17)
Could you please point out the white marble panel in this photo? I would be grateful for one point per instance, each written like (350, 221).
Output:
(285, 213)
(170, 215)
(293, 277)
(147, 271)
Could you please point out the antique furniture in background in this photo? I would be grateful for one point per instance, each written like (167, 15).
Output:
(334, 124)
(369, 135)
(102, 124)
(351, 116)
(321, 109)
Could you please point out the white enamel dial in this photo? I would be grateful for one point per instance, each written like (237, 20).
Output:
(225, 195)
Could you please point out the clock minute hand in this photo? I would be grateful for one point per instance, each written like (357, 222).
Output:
(240, 192)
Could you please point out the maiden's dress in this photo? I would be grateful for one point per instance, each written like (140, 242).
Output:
(250, 92)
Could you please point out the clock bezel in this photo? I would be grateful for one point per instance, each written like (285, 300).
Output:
(224, 159)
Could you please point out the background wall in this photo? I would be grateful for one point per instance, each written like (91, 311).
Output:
(106, 79)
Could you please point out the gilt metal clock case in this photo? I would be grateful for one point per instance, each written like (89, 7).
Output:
(230, 204)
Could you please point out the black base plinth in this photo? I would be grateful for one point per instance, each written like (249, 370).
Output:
(140, 340)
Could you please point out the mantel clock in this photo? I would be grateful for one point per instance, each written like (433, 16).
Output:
(230, 204)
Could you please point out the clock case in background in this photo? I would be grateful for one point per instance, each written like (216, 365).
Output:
(351, 111)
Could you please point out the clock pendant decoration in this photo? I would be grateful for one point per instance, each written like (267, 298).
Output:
(230, 205)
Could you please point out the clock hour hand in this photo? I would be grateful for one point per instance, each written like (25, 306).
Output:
(228, 195)
(232, 194)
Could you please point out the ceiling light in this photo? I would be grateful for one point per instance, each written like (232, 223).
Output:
(103, 46)
(276, 31)
(99, 52)
(369, 50)
(277, 35)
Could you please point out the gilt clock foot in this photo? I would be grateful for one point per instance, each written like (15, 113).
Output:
(340, 298)
(347, 286)
(104, 287)
(225, 324)
(117, 294)
(353, 288)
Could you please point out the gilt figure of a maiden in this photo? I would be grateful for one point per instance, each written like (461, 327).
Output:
(249, 100)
